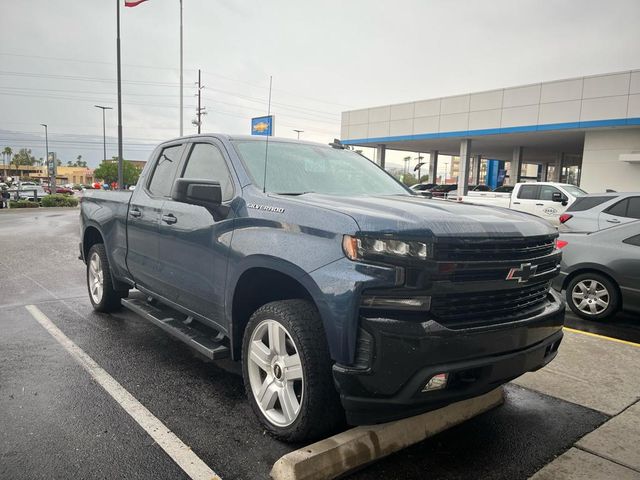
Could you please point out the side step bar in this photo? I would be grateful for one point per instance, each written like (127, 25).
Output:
(165, 318)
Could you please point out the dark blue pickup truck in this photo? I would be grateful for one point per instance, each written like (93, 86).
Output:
(344, 295)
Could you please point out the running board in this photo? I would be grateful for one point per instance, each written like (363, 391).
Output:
(165, 318)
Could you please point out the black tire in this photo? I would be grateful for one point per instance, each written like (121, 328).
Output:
(109, 300)
(320, 412)
(586, 306)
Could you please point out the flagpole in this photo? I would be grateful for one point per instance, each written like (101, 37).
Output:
(120, 180)
(181, 79)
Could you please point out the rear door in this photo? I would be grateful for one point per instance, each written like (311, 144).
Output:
(625, 211)
(194, 241)
(143, 219)
(525, 198)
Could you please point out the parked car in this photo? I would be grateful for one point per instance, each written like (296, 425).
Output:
(600, 210)
(32, 193)
(61, 190)
(421, 187)
(547, 200)
(471, 188)
(600, 271)
(334, 287)
(440, 191)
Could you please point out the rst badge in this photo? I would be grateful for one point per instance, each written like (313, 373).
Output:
(523, 273)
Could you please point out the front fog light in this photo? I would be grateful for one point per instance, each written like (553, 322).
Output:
(437, 382)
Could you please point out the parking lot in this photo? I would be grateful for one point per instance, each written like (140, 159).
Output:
(58, 422)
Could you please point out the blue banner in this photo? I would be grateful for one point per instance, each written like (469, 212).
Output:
(263, 126)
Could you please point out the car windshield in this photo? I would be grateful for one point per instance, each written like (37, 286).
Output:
(575, 191)
(296, 168)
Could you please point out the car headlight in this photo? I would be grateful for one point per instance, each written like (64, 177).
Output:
(361, 248)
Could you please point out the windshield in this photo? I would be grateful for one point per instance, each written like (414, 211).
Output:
(295, 168)
(575, 191)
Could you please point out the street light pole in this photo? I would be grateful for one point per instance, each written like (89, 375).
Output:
(298, 132)
(50, 167)
(104, 131)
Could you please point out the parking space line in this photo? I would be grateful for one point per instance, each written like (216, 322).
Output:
(611, 339)
(180, 453)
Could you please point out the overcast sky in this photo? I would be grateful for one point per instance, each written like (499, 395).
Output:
(57, 59)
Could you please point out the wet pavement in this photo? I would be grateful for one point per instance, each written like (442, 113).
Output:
(58, 423)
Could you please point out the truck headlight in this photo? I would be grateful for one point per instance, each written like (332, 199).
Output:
(359, 248)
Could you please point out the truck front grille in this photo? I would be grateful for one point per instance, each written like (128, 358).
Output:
(471, 309)
(480, 249)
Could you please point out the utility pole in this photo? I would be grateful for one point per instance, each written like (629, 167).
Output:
(104, 131)
(199, 110)
(181, 77)
(51, 167)
(298, 132)
(120, 180)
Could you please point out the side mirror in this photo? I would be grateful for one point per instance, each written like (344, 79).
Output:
(205, 193)
(556, 197)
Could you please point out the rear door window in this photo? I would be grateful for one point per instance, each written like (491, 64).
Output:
(619, 209)
(633, 209)
(586, 203)
(165, 170)
(528, 192)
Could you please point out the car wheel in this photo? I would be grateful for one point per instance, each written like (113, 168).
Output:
(287, 372)
(593, 296)
(103, 296)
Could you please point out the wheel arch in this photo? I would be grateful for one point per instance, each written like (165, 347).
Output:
(262, 280)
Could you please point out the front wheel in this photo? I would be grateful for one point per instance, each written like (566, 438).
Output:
(287, 372)
(103, 296)
(592, 296)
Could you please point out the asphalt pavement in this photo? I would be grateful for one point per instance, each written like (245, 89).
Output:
(56, 422)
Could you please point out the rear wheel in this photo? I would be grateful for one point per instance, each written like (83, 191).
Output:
(287, 372)
(593, 296)
(103, 296)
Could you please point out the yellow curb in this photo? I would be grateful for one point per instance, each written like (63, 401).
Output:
(611, 339)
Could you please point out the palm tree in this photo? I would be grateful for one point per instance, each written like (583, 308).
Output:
(6, 156)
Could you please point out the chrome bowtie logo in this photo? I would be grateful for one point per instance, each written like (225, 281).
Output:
(522, 274)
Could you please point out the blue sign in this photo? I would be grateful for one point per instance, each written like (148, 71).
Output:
(263, 126)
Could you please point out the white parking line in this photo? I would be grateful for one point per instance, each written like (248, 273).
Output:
(168, 441)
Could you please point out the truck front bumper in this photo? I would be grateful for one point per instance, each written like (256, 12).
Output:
(397, 358)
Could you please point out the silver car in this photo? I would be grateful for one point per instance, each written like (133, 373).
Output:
(600, 271)
(600, 210)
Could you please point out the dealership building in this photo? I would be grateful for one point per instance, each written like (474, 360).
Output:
(584, 131)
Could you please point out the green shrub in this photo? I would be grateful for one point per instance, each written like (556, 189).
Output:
(22, 204)
(59, 200)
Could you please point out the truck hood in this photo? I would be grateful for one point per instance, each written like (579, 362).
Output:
(425, 217)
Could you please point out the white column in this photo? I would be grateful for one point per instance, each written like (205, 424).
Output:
(516, 166)
(475, 172)
(381, 151)
(463, 184)
(433, 166)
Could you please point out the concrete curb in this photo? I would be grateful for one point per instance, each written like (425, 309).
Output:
(346, 451)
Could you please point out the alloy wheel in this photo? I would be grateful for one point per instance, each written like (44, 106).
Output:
(95, 278)
(275, 373)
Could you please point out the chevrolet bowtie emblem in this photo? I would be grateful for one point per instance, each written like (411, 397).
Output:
(522, 274)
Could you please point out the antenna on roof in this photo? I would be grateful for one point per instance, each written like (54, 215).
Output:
(266, 148)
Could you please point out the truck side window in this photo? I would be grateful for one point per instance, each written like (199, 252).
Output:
(619, 209)
(547, 191)
(206, 162)
(528, 192)
(164, 171)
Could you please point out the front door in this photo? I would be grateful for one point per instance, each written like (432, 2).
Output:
(546, 207)
(144, 216)
(194, 241)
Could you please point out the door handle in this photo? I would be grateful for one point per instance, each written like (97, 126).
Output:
(516, 203)
(135, 213)
(539, 204)
(170, 219)
(613, 220)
